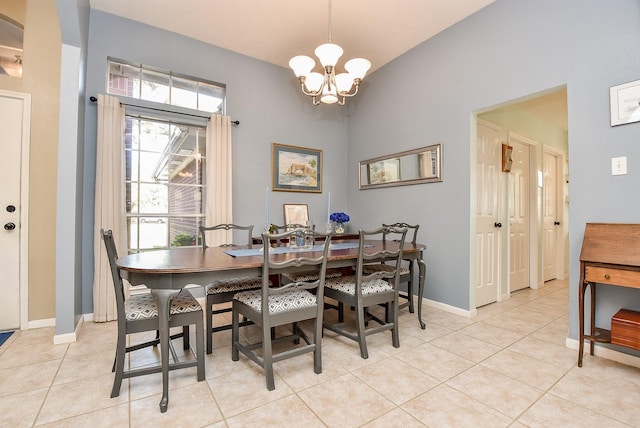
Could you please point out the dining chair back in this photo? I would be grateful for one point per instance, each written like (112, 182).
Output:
(220, 292)
(364, 289)
(139, 313)
(289, 303)
(204, 231)
(406, 269)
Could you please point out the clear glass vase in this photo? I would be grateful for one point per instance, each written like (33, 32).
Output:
(339, 228)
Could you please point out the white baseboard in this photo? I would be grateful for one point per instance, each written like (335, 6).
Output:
(452, 309)
(608, 353)
(49, 322)
(69, 337)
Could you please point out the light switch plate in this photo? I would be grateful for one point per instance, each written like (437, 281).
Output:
(619, 165)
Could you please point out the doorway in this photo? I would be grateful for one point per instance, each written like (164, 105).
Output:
(539, 121)
(14, 145)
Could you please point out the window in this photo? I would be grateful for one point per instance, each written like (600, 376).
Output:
(164, 152)
(164, 87)
(164, 183)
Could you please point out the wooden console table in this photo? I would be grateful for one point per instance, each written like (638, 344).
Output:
(610, 255)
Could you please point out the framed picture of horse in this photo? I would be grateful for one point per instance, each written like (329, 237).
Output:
(296, 169)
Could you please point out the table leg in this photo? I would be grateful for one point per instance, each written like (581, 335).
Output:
(163, 298)
(581, 321)
(422, 271)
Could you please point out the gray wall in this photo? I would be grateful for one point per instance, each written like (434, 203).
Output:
(74, 23)
(263, 97)
(506, 51)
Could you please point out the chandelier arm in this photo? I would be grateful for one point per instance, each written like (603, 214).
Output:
(355, 91)
(306, 91)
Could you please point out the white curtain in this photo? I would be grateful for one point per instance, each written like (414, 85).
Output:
(109, 202)
(219, 201)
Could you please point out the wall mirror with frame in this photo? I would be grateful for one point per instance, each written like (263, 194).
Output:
(423, 165)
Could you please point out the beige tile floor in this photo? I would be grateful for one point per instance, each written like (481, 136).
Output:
(506, 367)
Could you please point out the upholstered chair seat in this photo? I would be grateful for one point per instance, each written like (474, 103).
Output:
(144, 306)
(310, 275)
(347, 284)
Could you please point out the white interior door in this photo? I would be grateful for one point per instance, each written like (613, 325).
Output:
(551, 216)
(13, 127)
(519, 216)
(489, 158)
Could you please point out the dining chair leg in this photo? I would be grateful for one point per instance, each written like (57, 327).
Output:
(362, 341)
(185, 337)
(317, 340)
(395, 332)
(118, 365)
(235, 335)
(209, 324)
(200, 350)
(267, 357)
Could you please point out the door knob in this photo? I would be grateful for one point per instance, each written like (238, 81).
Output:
(557, 223)
(11, 208)
(9, 226)
(497, 225)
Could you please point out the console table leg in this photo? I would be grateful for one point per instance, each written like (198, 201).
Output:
(593, 316)
(581, 291)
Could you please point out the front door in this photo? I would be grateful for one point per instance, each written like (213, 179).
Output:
(13, 136)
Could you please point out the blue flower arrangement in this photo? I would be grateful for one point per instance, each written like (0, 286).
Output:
(339, 217)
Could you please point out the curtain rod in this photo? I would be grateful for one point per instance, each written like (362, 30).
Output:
(233, 122)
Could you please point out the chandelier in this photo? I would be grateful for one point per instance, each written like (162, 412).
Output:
(329, 88)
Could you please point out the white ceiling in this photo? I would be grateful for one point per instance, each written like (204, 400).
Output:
(276, 30)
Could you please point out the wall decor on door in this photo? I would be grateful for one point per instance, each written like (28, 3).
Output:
(296, 169)
(507, 161)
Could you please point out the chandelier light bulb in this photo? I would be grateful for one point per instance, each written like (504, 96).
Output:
(301, 65)
(357, 67)
(314, 82)
(344, 82)
(329, 54)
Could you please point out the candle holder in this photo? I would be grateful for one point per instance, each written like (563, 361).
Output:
(267, 229)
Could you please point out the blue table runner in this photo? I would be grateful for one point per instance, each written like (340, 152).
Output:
(286, 250)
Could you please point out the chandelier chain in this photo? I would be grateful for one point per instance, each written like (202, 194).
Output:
(329, 21)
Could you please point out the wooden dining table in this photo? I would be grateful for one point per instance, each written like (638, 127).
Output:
(166, 272)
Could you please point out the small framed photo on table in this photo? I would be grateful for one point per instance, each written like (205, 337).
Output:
(296, 214)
